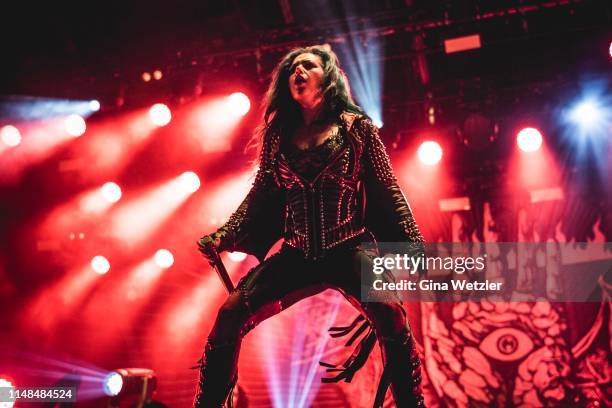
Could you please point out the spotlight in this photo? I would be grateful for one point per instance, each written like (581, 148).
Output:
(529, 139)
(111, 192)
(157, 74)
(190, 181)
(100, 264)
(6, 384)
(237, 256)
(378, 123)
(130, 387)
(430, 153)
(10, 135)
(160, 114)
(94, 105)
(239, 103)
(163, 258)
(146, 76)
(610, 49)
(587, 114)
(75, 125)
(113, 383)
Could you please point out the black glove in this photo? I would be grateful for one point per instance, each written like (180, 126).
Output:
(209, 245)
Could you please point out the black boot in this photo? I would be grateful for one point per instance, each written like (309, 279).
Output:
(218, 375)
(403, 372)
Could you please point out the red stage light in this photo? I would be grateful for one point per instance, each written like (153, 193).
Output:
(133, 221)
(100, 264)
(164, 258)
(10, 135)
(430, 153)
(469, 42)
(75, 125)
(610, 49)
(146, 76)
(111, 192)
(157, 75)
(239, 103)
(190, 181)
(529, 139)
(160, 114)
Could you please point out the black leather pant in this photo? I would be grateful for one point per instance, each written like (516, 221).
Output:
(284, 279)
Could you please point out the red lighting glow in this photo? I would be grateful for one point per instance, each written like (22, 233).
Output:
(75, 125)
(430, 153)
(225, 194)
(533, 165)
(112, 142)
(134, 220)
(72, 214)
(212, 122)
(239, 103)
(529, 139)
(60, 299)
(458, 44)
(111, 192)
(100, 264)
(43, 139)
(160, 114)
(10, 135)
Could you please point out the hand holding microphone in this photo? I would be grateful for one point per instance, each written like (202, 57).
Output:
(209, 247)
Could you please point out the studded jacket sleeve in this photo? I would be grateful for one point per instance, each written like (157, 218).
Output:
(388, 214)
(257, 223)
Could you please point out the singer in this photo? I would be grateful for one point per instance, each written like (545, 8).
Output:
(324, 183)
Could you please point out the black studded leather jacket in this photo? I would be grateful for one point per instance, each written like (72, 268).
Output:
(355, 192)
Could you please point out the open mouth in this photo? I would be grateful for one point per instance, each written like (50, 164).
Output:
(299, 80)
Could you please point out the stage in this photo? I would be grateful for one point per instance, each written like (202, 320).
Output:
(126, 134)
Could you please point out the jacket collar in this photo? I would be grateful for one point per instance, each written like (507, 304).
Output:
(348, 118)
